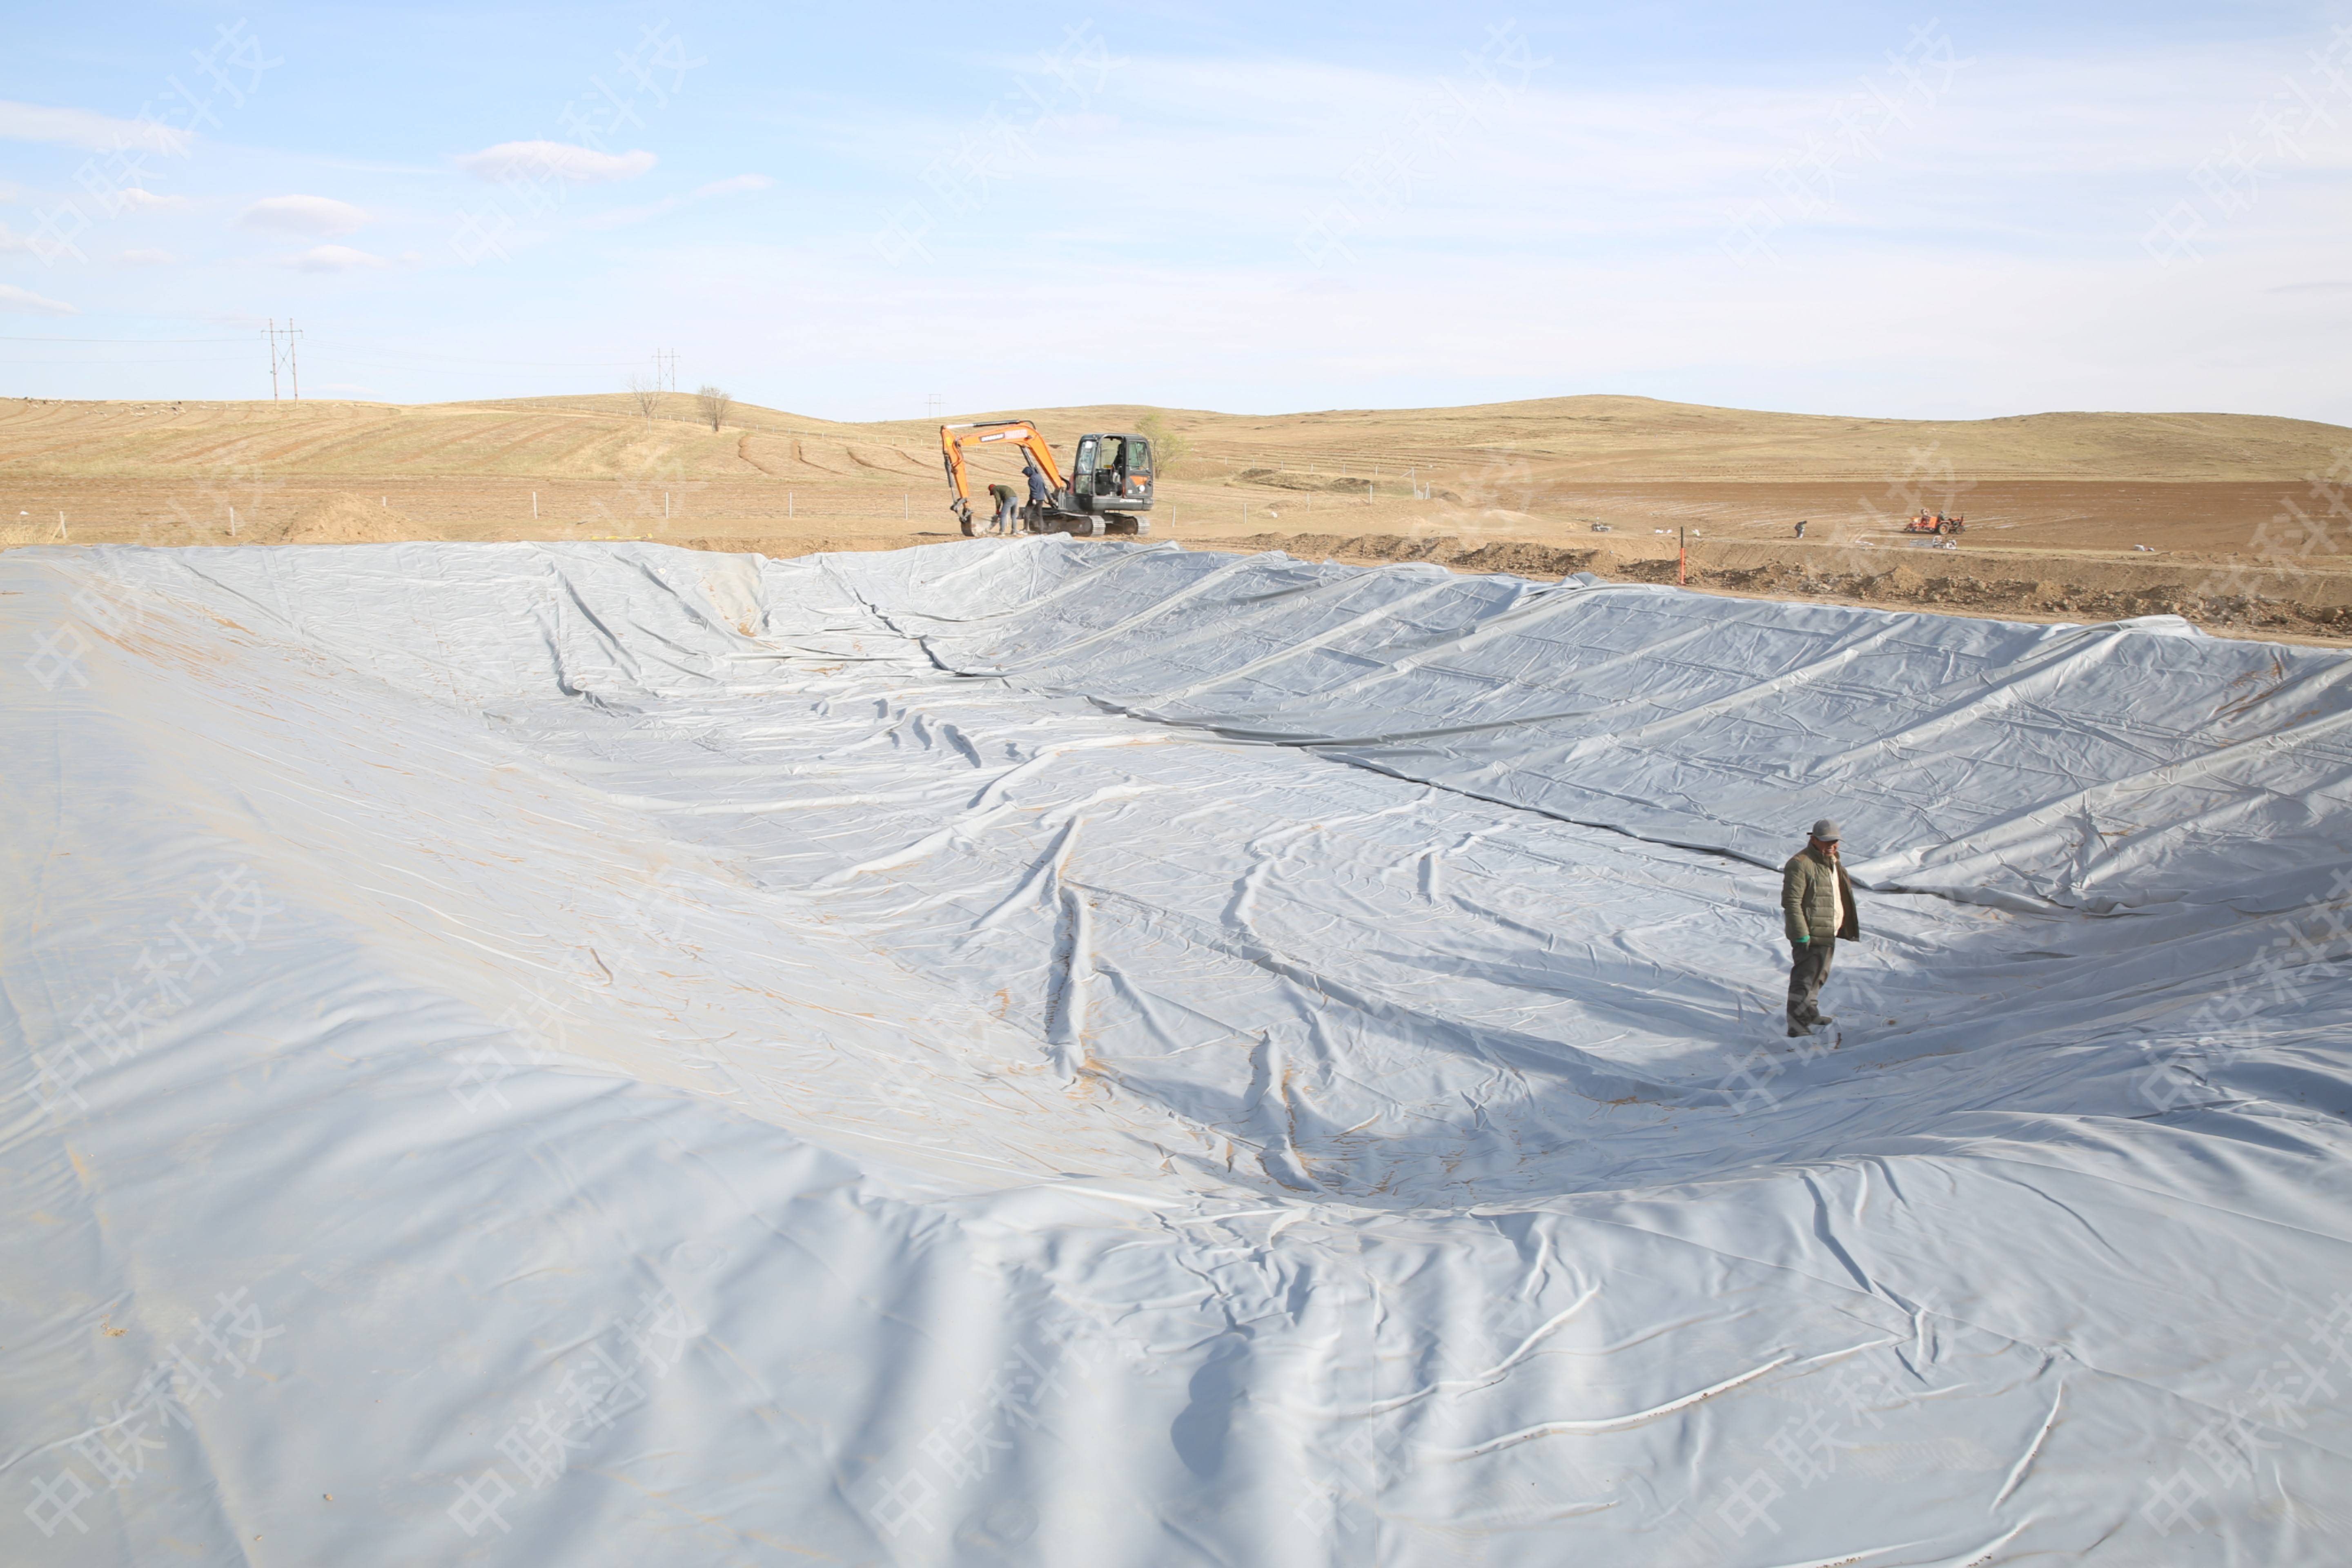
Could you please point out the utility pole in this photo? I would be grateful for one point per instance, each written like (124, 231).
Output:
(665, 369)
(293, 366)
(272, 330)
(932, 406)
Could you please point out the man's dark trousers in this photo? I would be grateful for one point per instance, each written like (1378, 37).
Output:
(1805, 977)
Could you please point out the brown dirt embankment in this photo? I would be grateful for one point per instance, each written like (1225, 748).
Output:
(2228, 600)
(339, 519)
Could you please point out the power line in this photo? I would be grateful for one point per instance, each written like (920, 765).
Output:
(461, 368)
(8, 339)
(399, 355)
(241, 359)
(536, 363)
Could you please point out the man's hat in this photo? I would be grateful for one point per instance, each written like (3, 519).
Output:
(1826, 831)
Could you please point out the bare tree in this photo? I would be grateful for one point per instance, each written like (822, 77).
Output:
(715, 403)
(1167, 449)
(644, 390)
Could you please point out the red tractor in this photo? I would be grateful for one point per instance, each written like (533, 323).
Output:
(1936, 522)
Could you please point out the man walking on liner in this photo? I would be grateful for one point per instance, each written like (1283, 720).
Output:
(1817, 902)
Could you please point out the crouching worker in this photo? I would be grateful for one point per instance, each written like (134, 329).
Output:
(1006, 518)
(1818, 904)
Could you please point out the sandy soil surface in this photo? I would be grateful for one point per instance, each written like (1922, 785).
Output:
(2236, 521)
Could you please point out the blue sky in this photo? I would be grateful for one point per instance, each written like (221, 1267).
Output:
(1833, 209)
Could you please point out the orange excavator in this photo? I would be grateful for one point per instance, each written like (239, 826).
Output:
(1109, 480)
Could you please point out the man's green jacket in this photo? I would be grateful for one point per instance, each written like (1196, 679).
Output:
(1806, 902)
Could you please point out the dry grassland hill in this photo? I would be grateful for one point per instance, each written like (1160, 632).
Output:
(554, 439)
(1566, 440)
(1639, 439)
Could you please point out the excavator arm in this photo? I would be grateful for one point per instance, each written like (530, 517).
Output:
(1021, 433)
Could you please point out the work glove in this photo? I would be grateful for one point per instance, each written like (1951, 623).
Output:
(1803, 940)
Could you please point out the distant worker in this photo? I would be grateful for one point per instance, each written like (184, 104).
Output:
(1801, 528)
(1002, 521)
(1817, 902)
(1039, 495)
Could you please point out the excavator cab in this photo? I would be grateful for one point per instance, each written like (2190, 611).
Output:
(1112, 474)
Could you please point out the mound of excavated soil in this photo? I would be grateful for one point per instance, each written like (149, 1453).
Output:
(342, 519)
(1364, 547)
(1530, 560)
(1444, 549)
(784, 549)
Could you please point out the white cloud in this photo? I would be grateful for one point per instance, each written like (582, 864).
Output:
(81, 128)
(14, 298)
(303, 214)
(560, 160)
(333, 258)
(148, 201)
(148, 259)
(733, 186)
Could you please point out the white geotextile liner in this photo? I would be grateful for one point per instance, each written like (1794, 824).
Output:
(608, 1053)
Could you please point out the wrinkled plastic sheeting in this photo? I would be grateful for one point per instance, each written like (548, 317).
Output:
(1033, 1052)
(2100, 766)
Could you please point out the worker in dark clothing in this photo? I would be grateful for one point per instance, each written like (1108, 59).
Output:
(1817, 904)
(1003, 522)
(1038, 494)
